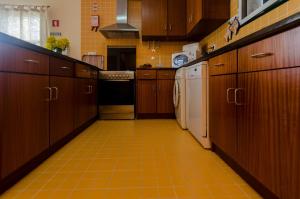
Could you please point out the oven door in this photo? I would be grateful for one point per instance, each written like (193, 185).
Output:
(116, 99)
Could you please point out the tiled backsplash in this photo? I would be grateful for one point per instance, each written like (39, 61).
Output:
(281, 12)
(95, 42)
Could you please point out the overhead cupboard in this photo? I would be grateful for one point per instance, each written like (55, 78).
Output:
(182, 19)
(42, 98)
(255, 111)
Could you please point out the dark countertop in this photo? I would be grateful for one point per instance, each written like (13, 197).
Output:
(23, 44)
(162, 68)
(281, 26)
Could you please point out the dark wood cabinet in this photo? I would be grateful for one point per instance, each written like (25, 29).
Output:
(165, 96)
(222, 113)
(154, 17)
(258, 119)
(86, 100)
(62, 108)
(205, 16)
(154, 95)
(163, 19)
(146, 96)
(24, 119)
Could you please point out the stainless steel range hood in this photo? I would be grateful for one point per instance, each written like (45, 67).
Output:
(121, 29)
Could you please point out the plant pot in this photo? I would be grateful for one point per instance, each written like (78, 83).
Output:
(58, 50)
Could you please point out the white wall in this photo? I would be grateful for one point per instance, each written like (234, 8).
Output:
(69, 14)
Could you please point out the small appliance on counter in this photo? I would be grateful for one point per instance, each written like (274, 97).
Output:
(189, 53)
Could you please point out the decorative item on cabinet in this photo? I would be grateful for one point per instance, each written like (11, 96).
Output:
(232, 28)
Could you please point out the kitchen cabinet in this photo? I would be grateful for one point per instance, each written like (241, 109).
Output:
(261, 117)
(155, 93)
(146, 95)
(222, 113)
(163, 19)
(165, 96)
(86, 100)
(205, 16)
(258, 119)
(62, 108)
(24, 119)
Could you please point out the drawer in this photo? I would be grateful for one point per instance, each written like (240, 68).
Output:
(94, 74)
(166, 74)
(15, 59)
(83, 71)
(61, 67)
(223, 64)
(279, 51)
(146, 74)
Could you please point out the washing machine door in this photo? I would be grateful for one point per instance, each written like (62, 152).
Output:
(176, 94)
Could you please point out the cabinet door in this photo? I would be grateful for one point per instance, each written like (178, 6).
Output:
(222, 113)
(146, 96)
(262, 116)
(287, 121)
(194, 13)
(154, 17)
(165, 96)
(189, 12)
(82, 105)
(24, 119)
(177, 17)
(62, 110)
(93, 105)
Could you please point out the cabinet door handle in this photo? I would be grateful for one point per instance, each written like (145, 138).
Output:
(166, 27)
(50, 94)
(56, 93)
(236, 91)
(33, 61)
(261, 55)
(228, 98)
(91, 89)
(65, 68)
(219, 64)
(170, 27)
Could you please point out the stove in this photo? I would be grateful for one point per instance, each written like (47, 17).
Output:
(117, 95)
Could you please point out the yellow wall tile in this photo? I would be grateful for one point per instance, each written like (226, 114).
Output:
(95, 42)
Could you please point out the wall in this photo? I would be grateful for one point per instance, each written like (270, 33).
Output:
(95, 42)
(279, 13)
(69, 14)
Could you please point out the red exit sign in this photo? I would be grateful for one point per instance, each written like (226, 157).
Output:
(55, 23)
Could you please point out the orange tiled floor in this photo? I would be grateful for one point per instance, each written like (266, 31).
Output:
(142, 159)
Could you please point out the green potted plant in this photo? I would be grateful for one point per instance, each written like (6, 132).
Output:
(57, 45)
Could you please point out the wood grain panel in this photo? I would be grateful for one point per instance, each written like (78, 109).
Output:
(165, 96)
(287, 122)
(15, 59)
(279, 51)
(146, 74)
(62, 109)
(93, 104)
(177, 17)
(60, 67)
(24, 119)
(154, 17)
(166, 74)
(223, 64)
(146, 96)
(222, 113)
(259, 120)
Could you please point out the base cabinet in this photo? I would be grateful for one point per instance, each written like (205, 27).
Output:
(222, 113)
(146, 95)
(165, 96)
(24, 119)
(62, 108)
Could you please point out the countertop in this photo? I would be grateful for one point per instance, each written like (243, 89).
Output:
(23, 44)
(281, 26)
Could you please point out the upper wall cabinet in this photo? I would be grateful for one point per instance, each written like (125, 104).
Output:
(163, 19)
(205, 16)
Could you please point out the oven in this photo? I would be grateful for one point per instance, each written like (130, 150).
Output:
(117, 95)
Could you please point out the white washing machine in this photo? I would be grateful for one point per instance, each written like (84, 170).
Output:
(179, 97)
(197, 102)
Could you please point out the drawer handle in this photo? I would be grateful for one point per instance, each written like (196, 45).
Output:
(218, 65)
(31, 61)
(146, 74)
(261, 55)
(65, 68)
